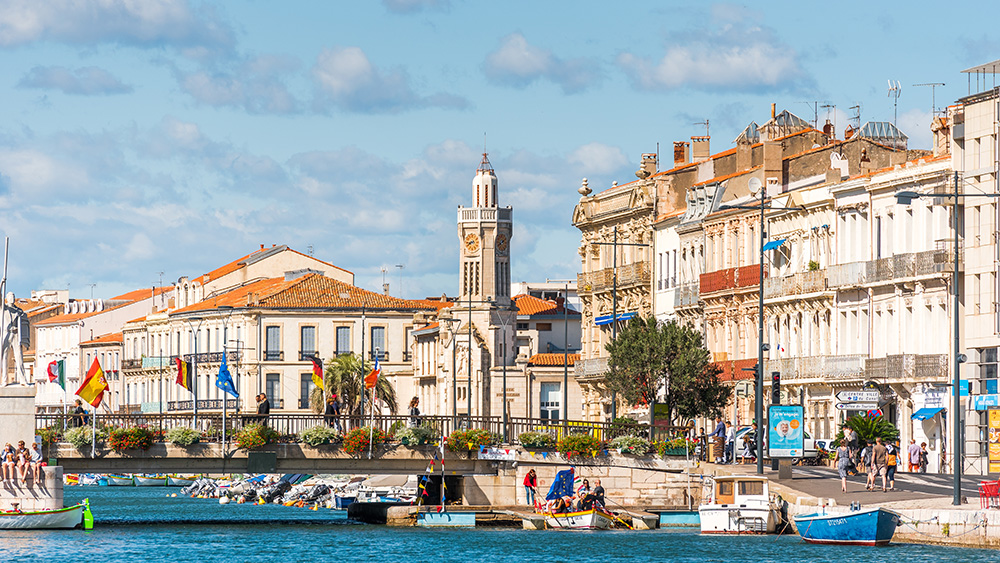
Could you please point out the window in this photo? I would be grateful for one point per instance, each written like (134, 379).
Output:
(378, 343)
(307, 341)
(549, 399)
(306, 386)
(273, 389)
(343, 340)
(407, 343)
(272, 349)
(988, 371)
(522, 326)
(543, 327)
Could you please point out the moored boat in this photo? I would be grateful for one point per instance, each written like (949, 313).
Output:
(343, 501)
(593, 519)
(120, 481)
(179, 481)
(59, 518)
(740, 504)
(874, 526)
(150, 481)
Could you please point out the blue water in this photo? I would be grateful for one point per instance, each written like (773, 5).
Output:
(141, 524)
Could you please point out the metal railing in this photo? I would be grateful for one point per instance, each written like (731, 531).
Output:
(274, 356)
(636, 273)
(591, 367)
(686, 295)
(900, 266)
(289, 425)
(207, 404)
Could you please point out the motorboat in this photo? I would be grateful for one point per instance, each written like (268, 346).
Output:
(874, 526)
(740, 504)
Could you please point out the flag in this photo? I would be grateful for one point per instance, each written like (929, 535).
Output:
(562, 486)
(225, 381)
(184, 373)
(372, 378)
(57, 372)
(317, 371)
(94, 385)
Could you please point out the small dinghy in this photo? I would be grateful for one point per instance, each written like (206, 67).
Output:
(874, 526)
(59, 518)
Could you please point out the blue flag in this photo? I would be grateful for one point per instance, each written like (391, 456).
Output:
(562, 486)
(225, 381)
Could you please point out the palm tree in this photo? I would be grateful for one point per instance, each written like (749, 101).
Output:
(343, 376)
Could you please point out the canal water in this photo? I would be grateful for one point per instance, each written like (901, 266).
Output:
(142, 524)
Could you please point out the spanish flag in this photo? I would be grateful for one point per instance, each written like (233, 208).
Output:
(317, 371)
(372, 378)
(94, 385)
(184, 373)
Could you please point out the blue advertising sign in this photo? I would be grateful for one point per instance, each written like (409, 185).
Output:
(784, 431)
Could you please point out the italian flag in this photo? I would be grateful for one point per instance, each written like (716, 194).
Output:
(57, 373)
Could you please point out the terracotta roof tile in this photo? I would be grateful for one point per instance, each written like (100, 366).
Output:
(240, 263)
(664, 216)
(530, 305)
(438, 304)
(556, 359)
(106, 339)
(144, 293)
(67, 318)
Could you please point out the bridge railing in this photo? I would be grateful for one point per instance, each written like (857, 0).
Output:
(289, 425)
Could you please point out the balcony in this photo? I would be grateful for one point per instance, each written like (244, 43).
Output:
(201, 358)
(731, 278)
(850, 366)
(593, 367)
(796, 284)
(636, 273)
(686, 295)
(132, 364)
(306, 355)
(907, 366)
(274, 356)
(900, 266)
(478, 214)
(382, 356)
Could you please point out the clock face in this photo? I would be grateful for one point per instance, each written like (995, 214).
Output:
(502, 242)
(472, 242)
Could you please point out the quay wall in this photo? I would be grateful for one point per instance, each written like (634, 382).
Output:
(44, 495)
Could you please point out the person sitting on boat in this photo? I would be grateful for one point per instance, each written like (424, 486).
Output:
(36, 463)
(598, 492)
(8, 459)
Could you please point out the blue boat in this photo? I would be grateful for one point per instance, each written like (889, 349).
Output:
(874, 526)
(343, 501)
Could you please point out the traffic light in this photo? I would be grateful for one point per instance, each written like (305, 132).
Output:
(775, 387)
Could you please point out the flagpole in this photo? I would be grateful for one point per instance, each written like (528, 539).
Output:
(3, 314)
(371, 424)
(224, 393)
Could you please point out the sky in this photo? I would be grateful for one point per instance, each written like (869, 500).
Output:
(145, 141)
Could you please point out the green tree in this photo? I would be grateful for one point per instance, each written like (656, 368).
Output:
(649, 359)
(344, 376)
(868, 428)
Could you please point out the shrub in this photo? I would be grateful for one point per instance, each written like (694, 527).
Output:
(537, 440)
(676, 446)
(183, 436)
(396, 427)
(319, 435)
(631, 445)
(253, 436)
(416, 436)
(356, 441)
(465, 440)
(578, 444)
(80, 437)
(49, 435)
(133, 438)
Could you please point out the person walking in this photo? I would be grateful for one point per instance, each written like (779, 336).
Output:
(79, 414)
(843, 461)
(891, 462)
(332, 412)
(866, 465)
(880, 462)
(852, 447)
(718, 440)
(263, 408)
(923, 457)
(530, 487)
(913, 456)
(414, 412)
(730, 442)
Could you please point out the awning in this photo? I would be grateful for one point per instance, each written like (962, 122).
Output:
(925, 413)
(774, 244)
(606, 319)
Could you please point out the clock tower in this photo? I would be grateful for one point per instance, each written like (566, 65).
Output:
(484, 233)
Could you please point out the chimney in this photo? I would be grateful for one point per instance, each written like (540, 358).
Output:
(848, 133)
(648, 167)
(773, 110)
(829, 131)
(700, 148)
(744, 155)
(262, 247)
(681, 153)
(773, 167)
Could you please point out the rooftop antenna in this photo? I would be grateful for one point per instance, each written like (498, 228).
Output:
(933, 85)
(309, 250)
(856, 118)
(705, 123)
(400, 267)
(161, 291)
(829, 107)
(385, 285)
(92, 286)
(894, 91)
(815, 106)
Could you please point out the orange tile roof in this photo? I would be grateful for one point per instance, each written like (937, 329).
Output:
(530, 305)
(732, 370)
(144, 293)
(106, 339)
(664, 216)
(67, 318)
(240, 263)
(311, 291)
(436, 303)
(556, 359)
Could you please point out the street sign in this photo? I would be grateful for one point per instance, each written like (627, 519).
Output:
(857, 406)
(868, 396)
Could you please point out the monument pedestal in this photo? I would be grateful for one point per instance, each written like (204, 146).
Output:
(17, 422)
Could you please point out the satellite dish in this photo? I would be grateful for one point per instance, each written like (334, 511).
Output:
(754, 184)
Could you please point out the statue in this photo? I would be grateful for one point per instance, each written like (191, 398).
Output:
(15, 336)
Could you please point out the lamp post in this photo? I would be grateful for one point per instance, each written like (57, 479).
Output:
(225, 341)
(565, 352)
(194, 376)
(504, 323)
(958, 447)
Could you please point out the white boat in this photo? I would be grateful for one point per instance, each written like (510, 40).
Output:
(59, 518)
(147, 481)
(120, 481)
(739, 504)
(593, 519)
(178, 481)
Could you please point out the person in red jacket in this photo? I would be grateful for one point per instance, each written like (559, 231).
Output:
(530, 487)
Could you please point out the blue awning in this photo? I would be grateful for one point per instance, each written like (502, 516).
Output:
(925, 413)
(606, 319)
(774, 244)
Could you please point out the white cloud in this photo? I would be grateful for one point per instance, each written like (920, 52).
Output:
(139, 248)
(346, 78)
(256, 85)
(149, 23)
(598, 158)
(86, 81)
(916, 124)
(517, 63)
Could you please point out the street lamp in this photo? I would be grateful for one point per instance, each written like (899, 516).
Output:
(194, 376)
(905, 198)
(225, 341)
(565, 353)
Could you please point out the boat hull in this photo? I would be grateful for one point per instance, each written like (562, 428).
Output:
(62, 518)
(179, 481)
(149, 481)
(342, 502)
(727, 519)
(873, 527)
(583, 520)
(120, 481)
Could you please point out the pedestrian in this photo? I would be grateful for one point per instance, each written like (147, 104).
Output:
(79, 414)
(866, 465)
(598, 492)
(530, 486)
(414, 412)
(702, 445)
(750, 444)
(923, 457)
(852, 447)
(843, 461)
(880, 463)
(730, 442)
(263, 408)
(913, 456)
(891, 461)
(719, 441)
(332, 412)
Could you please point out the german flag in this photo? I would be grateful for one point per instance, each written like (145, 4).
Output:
(184, 374)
